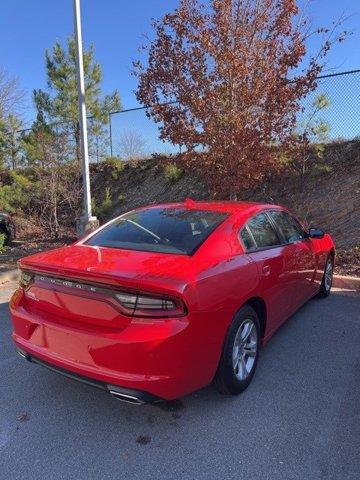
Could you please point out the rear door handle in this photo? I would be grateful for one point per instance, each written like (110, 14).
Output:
(266, 270)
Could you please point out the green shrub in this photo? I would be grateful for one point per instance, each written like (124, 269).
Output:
(114, 163)
(105, 206)
(14, 196)
(144, 165)
(121, 198)
(2, 243)
(323, 168)
(172, 173)
(285, 159)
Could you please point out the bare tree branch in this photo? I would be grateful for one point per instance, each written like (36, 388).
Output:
(12, 96)
(132, 145)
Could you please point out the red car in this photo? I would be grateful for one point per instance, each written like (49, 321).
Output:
(164, 299)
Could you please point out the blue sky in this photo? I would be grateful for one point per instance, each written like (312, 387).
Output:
(27, 28)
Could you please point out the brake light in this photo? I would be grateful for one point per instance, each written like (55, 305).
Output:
(143, 305)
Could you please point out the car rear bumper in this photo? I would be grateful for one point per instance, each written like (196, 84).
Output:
(124, 394)
(149, 360)
(136, 371)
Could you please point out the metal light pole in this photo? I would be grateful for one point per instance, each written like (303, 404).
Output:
(87, 221)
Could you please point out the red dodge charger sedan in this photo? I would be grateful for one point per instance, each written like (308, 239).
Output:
(164, 299)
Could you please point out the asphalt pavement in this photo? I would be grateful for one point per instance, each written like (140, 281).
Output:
(299, 419)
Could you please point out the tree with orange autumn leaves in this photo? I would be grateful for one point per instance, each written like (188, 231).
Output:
(225, 80)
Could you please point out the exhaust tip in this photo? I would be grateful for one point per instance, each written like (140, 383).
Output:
(23, 354)
(126, 398)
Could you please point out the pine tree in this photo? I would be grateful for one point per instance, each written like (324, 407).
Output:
(60, 103)
(9, 141)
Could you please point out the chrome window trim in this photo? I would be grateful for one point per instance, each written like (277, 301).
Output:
(276, 230)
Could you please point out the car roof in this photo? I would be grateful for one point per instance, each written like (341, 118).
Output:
(232, 207)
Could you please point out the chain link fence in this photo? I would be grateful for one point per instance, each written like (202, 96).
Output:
(342, 91)
(131, 134)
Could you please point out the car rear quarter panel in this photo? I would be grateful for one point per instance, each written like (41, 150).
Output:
(215, 297)
(322, 248)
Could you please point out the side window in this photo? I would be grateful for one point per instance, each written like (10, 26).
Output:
(299, 228)
(263, 232)
(247, 239)
(290, 227)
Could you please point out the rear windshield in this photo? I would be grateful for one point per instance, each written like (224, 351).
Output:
(165, 230)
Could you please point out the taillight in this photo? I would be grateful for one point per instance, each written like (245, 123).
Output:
(143, 305)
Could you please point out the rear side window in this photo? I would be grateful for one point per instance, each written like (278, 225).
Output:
(247, 239)
(164, 230)
(263, 233)
(289, 226)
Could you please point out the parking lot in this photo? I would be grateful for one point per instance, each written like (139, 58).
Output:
(300, 418)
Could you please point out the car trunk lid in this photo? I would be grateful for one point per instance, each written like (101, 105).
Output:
(77, 284)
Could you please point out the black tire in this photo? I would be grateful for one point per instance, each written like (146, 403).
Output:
(326, 283)
(226, 378)
(4, 231)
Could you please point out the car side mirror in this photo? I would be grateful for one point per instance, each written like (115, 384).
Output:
(316, 233)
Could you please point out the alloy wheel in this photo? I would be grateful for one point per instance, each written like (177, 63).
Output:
(245, 349)
(328, 274)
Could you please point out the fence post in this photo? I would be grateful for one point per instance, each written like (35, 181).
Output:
(110, 136)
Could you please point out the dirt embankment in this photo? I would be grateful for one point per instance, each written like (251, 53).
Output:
(329, 197)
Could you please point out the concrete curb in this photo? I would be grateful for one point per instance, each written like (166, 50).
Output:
(346, 283)
(9, 276)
